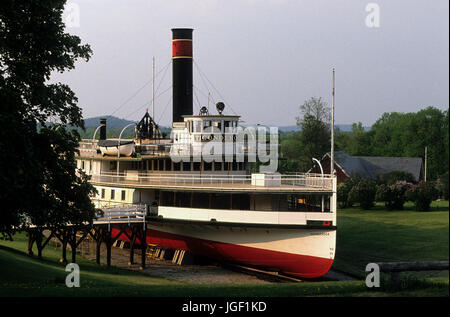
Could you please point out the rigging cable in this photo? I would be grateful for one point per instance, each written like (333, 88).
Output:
(147, 102)
(196, 98)
(204, 94)
(201, 72)
(203, 80)
(140, 89)
(165, 108)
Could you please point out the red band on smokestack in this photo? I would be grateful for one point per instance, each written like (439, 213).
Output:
(181, 48)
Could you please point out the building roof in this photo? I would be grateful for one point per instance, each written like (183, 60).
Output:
(371, 166)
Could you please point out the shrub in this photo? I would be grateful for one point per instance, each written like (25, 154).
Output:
(363, 193)
(442, 185)
(394, 176)
(394, 196)
(422, 195)
(343, 190)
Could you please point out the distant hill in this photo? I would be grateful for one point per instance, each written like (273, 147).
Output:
(342, 127)
(114, 126)
(111, 122)
(118, 123)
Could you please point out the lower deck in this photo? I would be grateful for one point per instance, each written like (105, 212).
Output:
(247, 209)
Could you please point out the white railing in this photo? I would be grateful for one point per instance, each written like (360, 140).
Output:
(217, 180)
(123, 214)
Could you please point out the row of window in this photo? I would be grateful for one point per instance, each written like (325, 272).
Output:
(281, 202)
(166, 165)
(196, 125)
(112, 194)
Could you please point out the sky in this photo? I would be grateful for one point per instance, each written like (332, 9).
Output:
(264, 58)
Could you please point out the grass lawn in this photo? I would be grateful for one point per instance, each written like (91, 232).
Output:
(387, 236)
(378, 235)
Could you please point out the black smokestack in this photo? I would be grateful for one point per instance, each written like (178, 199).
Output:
(102, 129)
(182, 73)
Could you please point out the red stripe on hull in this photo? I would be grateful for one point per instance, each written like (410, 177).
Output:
(303, 266)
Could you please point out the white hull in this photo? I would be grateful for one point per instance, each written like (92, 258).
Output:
(306, 253)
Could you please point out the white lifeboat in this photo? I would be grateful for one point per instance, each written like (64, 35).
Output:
(113, 147)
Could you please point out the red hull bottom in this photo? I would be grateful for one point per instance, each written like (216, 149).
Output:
(303, 266)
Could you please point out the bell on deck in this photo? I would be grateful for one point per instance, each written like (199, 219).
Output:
(147, 128)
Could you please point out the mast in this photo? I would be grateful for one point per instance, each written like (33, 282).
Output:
(153, 87)
(209, 95)
(332, 126)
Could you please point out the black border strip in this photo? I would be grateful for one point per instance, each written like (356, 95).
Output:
(234, 224)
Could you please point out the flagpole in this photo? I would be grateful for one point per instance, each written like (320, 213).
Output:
(332, 126)
(153, 88)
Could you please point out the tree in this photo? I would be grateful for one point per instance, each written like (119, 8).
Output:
(38, 177)
(422, 195)
(315, 130)
(291, 147)
(363, 192)
(360, 141)
(393, 195)
(316, 108)
(343, 191)
(442, 185)
(393, 177)
(407, 135)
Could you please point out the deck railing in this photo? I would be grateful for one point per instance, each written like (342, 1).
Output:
(216, 180)
(123, 214)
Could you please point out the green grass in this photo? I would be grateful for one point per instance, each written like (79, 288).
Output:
(22, 275)
(378, 235)
(363, 237)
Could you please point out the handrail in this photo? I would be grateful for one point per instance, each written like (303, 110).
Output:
(306, 180)
(168, 173)
(123, 214)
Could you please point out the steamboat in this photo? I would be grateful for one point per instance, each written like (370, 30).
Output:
(204, 192)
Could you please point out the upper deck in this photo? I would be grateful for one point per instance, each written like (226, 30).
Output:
(306, 183)
(152, 168)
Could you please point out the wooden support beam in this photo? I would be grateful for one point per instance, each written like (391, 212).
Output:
(132, 244)
(96, 234)
(122, 231)
(98, 246)
(85, 234)
(143, 247)
(175, 256)
(30, 242)
(61, 235)
(127, 234)
(48, 239)
(180, 257)
(107, 238)
(35, 236)
(38, 240)
(72, 237)
(64, 248)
